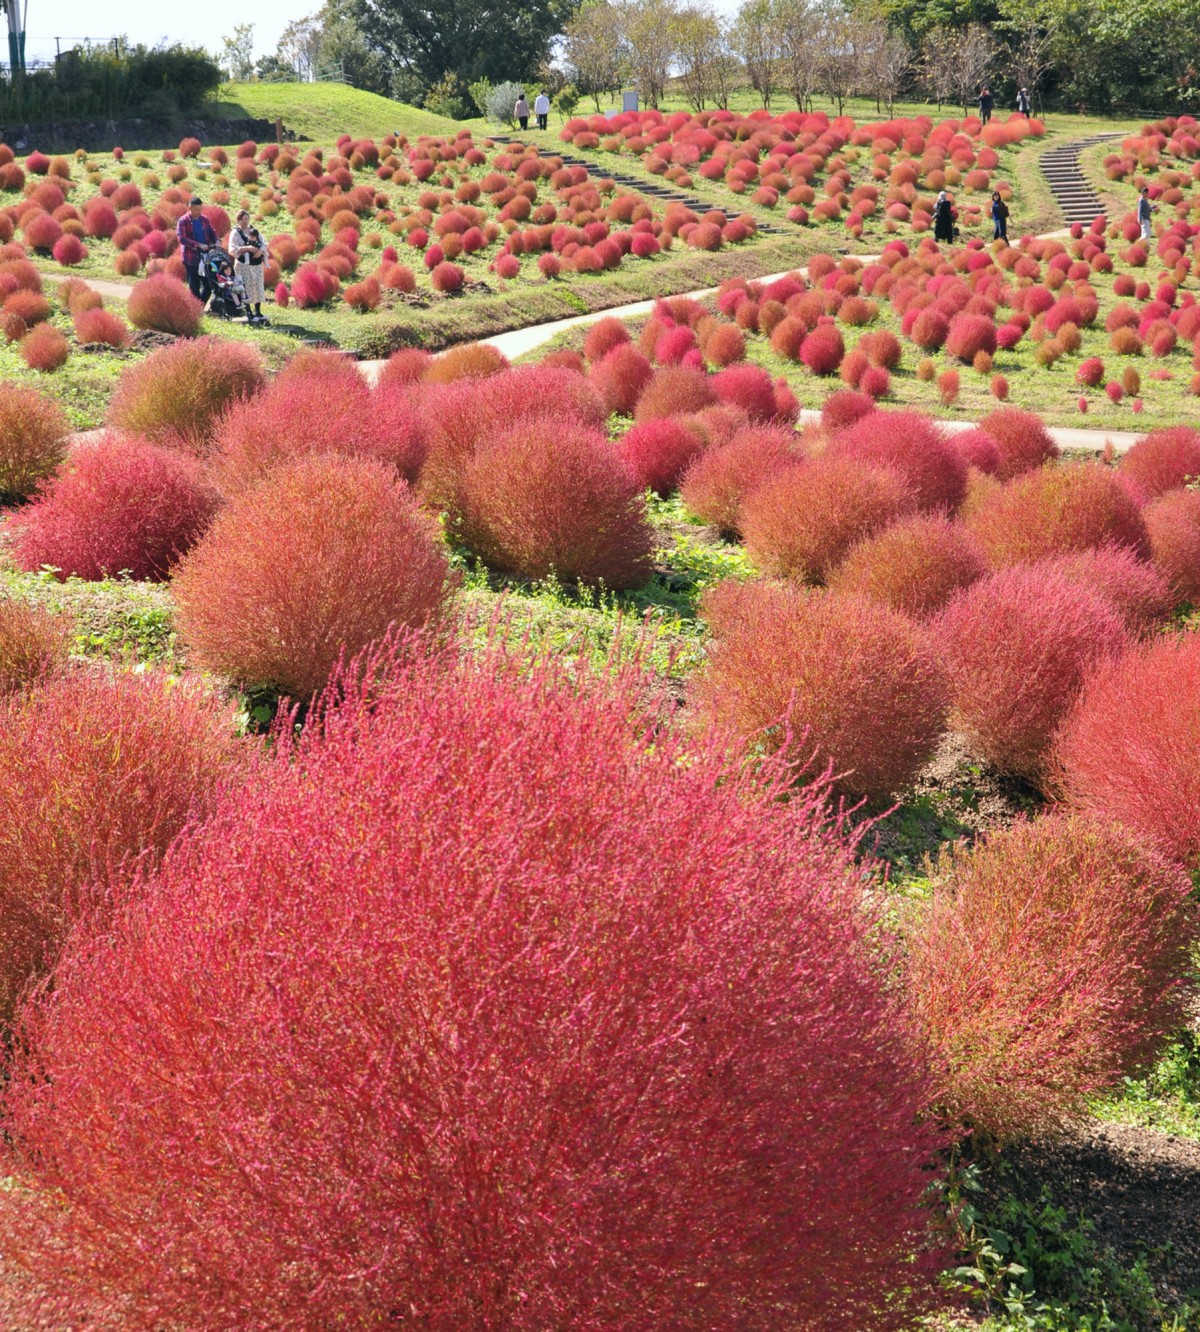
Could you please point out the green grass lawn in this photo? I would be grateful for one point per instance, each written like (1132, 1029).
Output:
(320, 112)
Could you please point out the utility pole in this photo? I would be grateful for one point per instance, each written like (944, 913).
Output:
(16, 36)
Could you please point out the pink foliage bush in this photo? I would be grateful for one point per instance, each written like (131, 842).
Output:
(823, 349)
(913, 445)
(1135, 589)
(658, 453)
(801, 522)
(970, 334)
(1024, 441)
(1034, 1000)
(716, 485)
(814, 671)
(164, 304)
(619, 377)
(1162, 460)
(916, 565)
(1017, 648)
(551, 496)
(354, 940)
(34, 642)
(1129, 751)
(1173, 522)
(121, 505)
(95, 767)
(317, 561)
(33, 439)
(102, 327)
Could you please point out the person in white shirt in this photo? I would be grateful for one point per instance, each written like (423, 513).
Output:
(541, 109)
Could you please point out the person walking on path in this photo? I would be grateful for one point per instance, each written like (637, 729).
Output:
(249, 252)
(999, 217)
(943, 218)
(1144, 210)
(521, 111)
(1023, 104)
(986, 102)
(196, 237)
(541, 109)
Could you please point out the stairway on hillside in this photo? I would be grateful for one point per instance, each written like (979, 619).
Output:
(1072, 192)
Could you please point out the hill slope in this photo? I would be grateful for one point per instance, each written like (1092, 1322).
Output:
(322, 111)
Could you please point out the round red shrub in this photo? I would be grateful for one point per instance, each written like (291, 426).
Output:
(101, 327)
(96, 767)
(551, 496)
(320, 559)
(801, 522)
(121, 505)
(179, 393)
(34, 642)
(41, 231)
(930, 329)
(1054, 510)
(603, 336)
(619, 377)
(1136, 590)
(354, 934)
(1024, 441)
(1162, 460)
(69, 250)
(405, 366)
(447, 278)
(1173, 523)
(844, 408)
(659, 452)
(913, 445)
(164, 304)
(748, 387)
(823, 349)
(675, 390)
(469, 360)
(970, 334)
(1017, 647)
(1129, 751)
(816, 671)
(1033, 1001)
(717, 483)
(45, 348)
(33, 439)
(916, 565)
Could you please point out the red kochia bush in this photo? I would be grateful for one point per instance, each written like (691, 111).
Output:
(916, 565)
(913, 445)
(33, 439)
(163, 303)
(1173, 521)
(95, 767)
(1048, 965)
(619, 378)
(1054, 510)
(552, 496)
(1129, 751)
(356, 944)
(121, 505)
(603, 336)
(829, 667)
(1136, 590)
(1162, 460)
(45, 348)
(823, 349)
(101, 326)
(801, 522)
(1024, 441)
(748, 387)
(970, 334)
(178, 393)
(659, 452)
(718, 482)
(33, 642)
(1017, 647)
(319, 559)
(675, 390)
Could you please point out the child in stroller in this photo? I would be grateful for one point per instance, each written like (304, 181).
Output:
(228, 291)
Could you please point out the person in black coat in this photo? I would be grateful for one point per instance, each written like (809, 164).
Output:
(986, 102)
(999, 217)
(943, 218)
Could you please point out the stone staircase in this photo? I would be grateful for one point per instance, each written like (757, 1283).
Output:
(1078, 201)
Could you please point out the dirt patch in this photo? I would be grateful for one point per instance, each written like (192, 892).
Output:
(1139, 1187)
(150, 339)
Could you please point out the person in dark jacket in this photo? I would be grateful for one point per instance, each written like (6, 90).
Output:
(986, 102)
(943, 218)
(1024, 106)
(196, 237)
(999, 218)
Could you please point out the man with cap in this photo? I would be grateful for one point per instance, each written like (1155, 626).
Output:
(196, 237)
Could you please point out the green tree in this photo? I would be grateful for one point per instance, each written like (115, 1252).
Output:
(470, 39)
(238, 52)
(594, 49)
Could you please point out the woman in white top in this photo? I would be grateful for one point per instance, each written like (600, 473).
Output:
(249, 252)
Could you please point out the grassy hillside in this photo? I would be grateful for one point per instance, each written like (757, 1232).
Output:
(322, 111)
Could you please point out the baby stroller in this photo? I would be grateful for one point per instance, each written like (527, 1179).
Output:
(226, 287)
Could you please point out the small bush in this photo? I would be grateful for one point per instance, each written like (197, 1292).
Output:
(469, 360)
(619, 377)
(968, 335)
(44, 348)
(1024, 441)
(102, 327)
(179, 393)
(95, 768)
(916, 565)
(815, 671)
(844, 408)
(551, 496)
(823, 349)
(164, 304)
(801, 522)
(447, 278)
(1137, 591)
(1173, 523)
(320, 559)
(916, 448)
(675, 390)
(658, 453)
(1129, 750)
(716, 485)
(33, 439)
(361, 859)
(406, 366)
(1054, 510)
(603, 336)
(1017, 647)
(1034, 1000)
(1162, 460)
(929, 330)
(748, 387)
(122, 505)
(33, 643)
